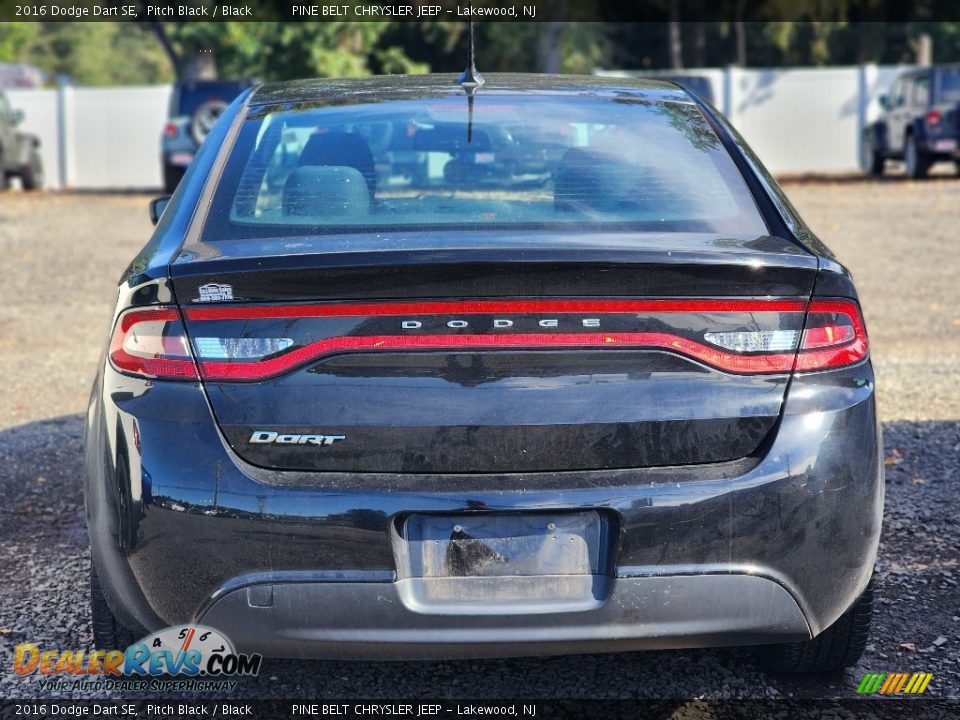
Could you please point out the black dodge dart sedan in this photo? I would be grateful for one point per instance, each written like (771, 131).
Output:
(549, 366)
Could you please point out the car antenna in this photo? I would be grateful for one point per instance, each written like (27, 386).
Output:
(470, 79)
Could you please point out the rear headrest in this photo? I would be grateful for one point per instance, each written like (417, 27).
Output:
(342, 149)
(326, 191)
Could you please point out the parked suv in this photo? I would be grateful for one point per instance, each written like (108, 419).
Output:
(19, 152)
(194, 108)
(919, 124)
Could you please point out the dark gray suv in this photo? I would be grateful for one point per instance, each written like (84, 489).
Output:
(919, 124)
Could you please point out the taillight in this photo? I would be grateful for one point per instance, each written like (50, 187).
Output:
(170, 130)
(933, 117)
(152, 343)
(236, 343)
(833, 335)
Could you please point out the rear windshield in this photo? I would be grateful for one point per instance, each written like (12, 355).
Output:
(535, 162)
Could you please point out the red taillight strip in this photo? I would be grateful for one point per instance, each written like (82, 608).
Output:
(832, 357)
(481, 307)
(154, 367)
(747, 364)
(132, 317)
(806, 360)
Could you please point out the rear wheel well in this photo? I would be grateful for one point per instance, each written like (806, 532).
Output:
(836, 648)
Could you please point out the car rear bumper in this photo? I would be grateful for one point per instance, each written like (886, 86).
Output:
(946, 147)
(329, 618)
(765, 549)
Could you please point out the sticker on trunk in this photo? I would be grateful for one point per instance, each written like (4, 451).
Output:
(215, 292)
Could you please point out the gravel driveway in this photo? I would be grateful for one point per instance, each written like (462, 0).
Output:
(61, 255)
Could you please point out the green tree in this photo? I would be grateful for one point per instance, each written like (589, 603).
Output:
(273, 50)
(15, 39)
(89, 53)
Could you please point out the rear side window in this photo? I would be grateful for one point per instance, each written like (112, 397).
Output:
(950, 85)
(897, 96)
(921, 91)
(519, 162)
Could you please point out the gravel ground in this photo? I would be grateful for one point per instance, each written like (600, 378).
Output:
(62, 253)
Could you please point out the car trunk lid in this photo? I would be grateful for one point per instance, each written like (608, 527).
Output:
(495, 353)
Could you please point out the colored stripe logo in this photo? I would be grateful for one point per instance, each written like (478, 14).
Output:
(894, 683)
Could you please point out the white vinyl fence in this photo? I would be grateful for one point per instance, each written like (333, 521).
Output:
(798, 120)
(97, 138)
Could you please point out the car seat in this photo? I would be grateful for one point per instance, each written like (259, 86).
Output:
(326, 191)
(341, 149)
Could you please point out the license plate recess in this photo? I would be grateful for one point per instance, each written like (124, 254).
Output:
(483, 563)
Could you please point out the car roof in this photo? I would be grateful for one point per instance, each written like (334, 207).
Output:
(412, 87)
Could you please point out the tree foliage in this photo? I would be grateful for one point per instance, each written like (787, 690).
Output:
(89, 53)
(15, 39)
(276, 50)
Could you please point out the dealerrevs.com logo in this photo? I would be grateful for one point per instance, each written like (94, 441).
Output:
(189, 657)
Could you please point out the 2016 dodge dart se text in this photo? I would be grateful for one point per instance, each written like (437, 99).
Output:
(549, 366)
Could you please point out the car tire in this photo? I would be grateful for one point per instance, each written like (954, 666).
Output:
(108, 632)
(871, 161)
(203, 119)
(836, 648)
(172, 175)
(917, 161)
(31, 175)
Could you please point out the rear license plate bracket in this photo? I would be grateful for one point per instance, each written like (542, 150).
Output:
(480, 563)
